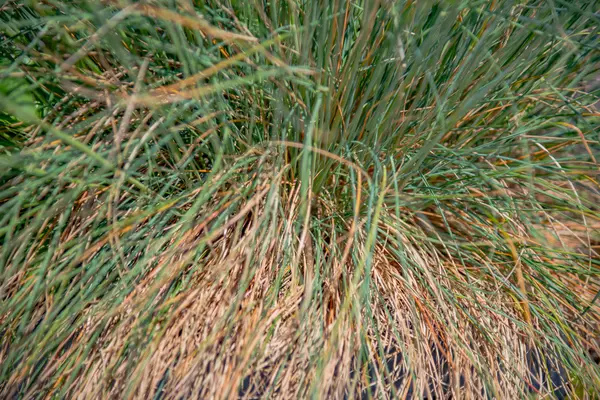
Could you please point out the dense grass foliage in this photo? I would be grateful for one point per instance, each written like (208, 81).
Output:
(299, 198)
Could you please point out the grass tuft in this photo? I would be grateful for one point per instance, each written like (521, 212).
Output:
(293, 199)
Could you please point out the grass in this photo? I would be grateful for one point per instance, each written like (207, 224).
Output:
(293, 198)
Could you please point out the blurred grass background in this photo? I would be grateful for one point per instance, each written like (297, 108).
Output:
(299, 198)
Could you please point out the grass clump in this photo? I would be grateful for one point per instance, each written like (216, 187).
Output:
(345, 199)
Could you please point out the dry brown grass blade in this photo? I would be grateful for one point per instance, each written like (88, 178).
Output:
(192, 23)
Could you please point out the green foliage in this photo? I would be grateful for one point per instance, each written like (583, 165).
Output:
(299, 198)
